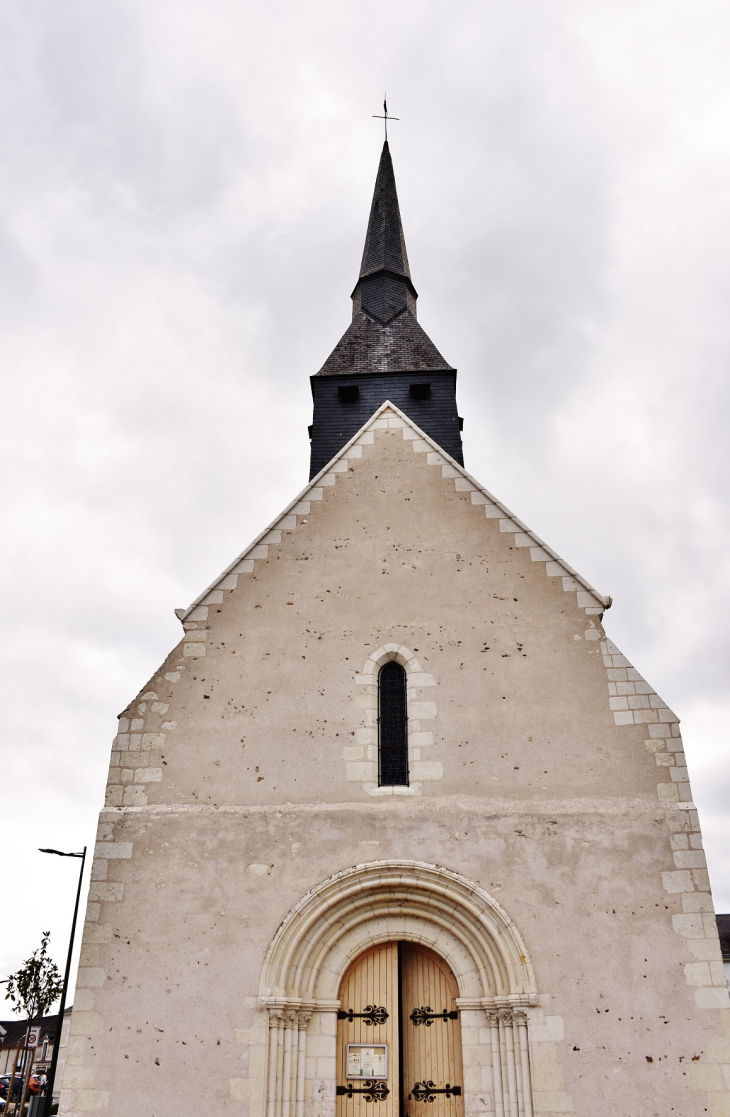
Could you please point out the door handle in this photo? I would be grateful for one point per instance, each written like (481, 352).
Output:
(426, 1091)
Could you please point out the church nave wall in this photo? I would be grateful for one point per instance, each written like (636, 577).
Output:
(544, 769)
(192, 897)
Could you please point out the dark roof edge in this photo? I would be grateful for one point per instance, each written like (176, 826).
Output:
(392, 372)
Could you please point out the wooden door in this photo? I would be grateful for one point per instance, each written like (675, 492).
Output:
(369, 1017)
(402, 997)
(430, 1035)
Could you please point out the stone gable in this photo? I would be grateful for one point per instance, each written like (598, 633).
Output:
(547, 846)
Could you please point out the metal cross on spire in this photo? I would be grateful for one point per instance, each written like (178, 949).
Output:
(385, 117)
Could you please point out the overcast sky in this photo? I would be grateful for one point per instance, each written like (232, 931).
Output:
(184, 192)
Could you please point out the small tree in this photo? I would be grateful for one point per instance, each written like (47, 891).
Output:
(37, 984)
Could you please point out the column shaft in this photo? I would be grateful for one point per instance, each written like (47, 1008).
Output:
(505, 1018)
(286, 1066)
(273, 1059)
(521, 1019)
(279, 1068)
(493, 1021)
(301, 1061)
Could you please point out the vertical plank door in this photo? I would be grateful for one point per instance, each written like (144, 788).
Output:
(431, 1043)
(371, 983)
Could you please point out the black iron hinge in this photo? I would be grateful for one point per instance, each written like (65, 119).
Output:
(373, 1014)
(426, 1091)
(373, 1090)
(427, 1015)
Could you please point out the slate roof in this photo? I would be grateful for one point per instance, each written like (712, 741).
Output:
(723, 930)
(369, 346)
(385, 245)
(384, 335)
(15, 1030)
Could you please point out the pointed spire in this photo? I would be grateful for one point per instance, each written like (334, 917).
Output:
(385, 245)
(384, 335)
(384, 289)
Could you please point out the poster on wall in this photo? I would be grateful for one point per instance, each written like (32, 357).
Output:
(367, 1060)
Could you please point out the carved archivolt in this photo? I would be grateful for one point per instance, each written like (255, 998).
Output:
(396, 900)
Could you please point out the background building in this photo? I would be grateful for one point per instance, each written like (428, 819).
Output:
(12, 1042)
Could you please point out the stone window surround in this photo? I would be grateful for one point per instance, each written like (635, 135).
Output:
(362, 757)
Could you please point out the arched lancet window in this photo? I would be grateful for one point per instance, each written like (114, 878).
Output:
(393, 726)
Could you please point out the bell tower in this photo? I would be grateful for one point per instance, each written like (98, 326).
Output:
(384, 353)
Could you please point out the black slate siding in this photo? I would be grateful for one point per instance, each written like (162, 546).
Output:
(383, 296)
(336, 422)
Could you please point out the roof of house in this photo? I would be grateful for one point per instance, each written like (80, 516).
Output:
(15, 1029)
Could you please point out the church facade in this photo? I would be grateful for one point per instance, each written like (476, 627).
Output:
(396, 830)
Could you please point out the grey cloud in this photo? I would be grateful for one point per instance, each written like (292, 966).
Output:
(184, 196)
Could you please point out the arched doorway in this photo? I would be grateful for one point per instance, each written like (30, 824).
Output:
(399, 1035)
(446, 919)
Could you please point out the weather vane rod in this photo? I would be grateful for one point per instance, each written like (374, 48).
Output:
(385, 117)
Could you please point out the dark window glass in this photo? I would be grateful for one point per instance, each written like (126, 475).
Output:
(420, 391)
(393, 725)
(348, 393)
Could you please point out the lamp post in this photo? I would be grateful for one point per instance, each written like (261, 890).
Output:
(62, 1007)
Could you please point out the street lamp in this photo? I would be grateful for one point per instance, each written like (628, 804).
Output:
(62, 1008)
